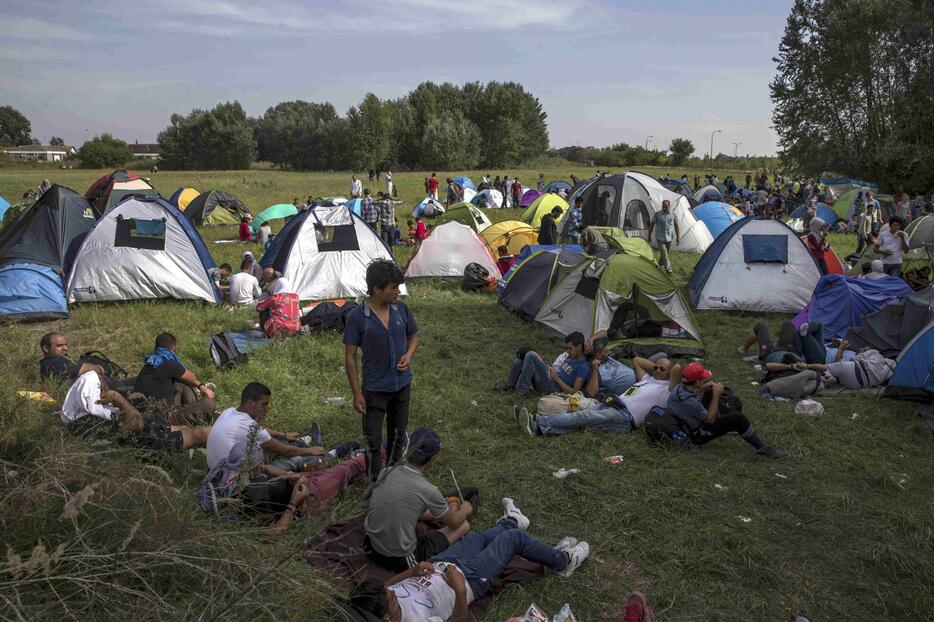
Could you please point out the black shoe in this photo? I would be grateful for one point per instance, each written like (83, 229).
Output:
(317, 437)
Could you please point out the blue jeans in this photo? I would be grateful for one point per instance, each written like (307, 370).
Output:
(531, 372)
(483, 556)
(892, 269)
(812, 344)
(600, 417)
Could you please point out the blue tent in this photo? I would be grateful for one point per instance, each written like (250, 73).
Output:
(717, 216)
(4, 206)
(840, 302)
(355, 206)
(824, 212)
(31, 291)
(529, 250)
(464, 182)
(557, 185)
(914, 372)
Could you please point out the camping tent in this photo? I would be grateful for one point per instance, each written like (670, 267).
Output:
(755, 265)
(467, 194)
(616, 239)
(846, 205)
(274, 212)
(4, 207)
(464, 182)
(428, 208)
(489, 198)
(528, 197)
(629, 200)
(466, 214)
(512, 234)
(824, 212)
(541, 206)
(597, 289)
(324, 252)
(215, 207)
(892, 327)
(142, 248)
(355, 206)
(913, 378)
(522, 190)
(556, 186)
(679, 187)
(921, 232)
(533, 276)
(447, 251)
(708, 193)
(840, 302)
(31, 292)
(111, 188)
(183, 196)
(717, 216)
(836, 187)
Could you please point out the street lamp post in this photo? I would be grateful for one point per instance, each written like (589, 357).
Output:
(711, 142)
(647, 139)
(736, 148)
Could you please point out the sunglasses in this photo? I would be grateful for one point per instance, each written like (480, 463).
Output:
(658, 368)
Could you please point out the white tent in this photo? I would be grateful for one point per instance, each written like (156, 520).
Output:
(142, 248)
(509, 185)
(324, 253)
(755, 265)
(448, 250)
(488, 198)
(469, 194)
(629, 200)
(428, 208)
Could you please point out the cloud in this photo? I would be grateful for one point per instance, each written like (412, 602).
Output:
(30, 29)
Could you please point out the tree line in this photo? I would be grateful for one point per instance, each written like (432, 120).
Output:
(679, 153)
(854, 91)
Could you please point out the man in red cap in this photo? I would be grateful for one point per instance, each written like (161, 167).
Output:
(707, 423)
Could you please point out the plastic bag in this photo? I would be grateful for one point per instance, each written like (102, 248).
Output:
(809, 407)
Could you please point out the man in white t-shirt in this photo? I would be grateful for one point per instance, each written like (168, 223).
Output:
(356, 187)
(654, 381)
(891, 243)
(244, 288)
(443, 588)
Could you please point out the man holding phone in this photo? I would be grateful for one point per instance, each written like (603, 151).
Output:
(384, 328)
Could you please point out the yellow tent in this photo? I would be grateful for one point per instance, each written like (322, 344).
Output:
(185, 197)
(509, 233)
(541, 206)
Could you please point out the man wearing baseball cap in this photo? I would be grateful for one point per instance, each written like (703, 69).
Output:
(707, 423)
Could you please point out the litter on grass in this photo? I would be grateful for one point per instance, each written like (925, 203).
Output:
(562, 472)
(781, 476)
(617, 459)
(745, 519)
(718, 486)
(809, 407)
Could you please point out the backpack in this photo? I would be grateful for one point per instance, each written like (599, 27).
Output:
(728, 404)
(111, 369)
(663, 427)
(225, 353)
(327, 316)
(476, 277)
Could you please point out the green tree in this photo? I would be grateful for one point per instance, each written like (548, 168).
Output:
(104, 151)
(56, 141)
(681, 149)
(220, 138)
(450, 142)
(298, 135)
(15, 128)
(370, 133)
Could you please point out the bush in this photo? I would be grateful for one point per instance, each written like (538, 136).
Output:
(104, 151)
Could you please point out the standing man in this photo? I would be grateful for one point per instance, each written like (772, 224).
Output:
(387, 221)
(433, 184)
(891, 243)
(575, 219)
(548, 230)
(356, 187)
(369, 210)
(664, 224)
(516, 193)
(383, 327)
(389, 183)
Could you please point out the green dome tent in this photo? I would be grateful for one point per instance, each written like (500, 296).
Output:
(541, 206)
(466, 214)
(274, 212)
(203, 209)
(616, 239)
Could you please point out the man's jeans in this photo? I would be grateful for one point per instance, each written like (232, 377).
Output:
(483, 556)
(531, 372)
(600, 417)
(892, 269)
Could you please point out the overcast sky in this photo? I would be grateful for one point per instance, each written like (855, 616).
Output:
(605, 72)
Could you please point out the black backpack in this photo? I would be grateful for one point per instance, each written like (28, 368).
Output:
(327, 316)
(663, 427)
(225, 353)
(111, 369)
(729, 402)
(476, 277)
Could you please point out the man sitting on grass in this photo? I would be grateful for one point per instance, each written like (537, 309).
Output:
(442, 589)
(401, 497)
(707, 423)
(607, 376)
(90, 405)
(620, 413)
(165, 379)
(55, 363)
(567, 374)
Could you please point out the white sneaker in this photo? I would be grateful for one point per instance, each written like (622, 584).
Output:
(566, 542)
(526, 422)
(576, 555)
(522, 521)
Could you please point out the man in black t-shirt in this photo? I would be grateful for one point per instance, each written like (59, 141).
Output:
(548, 230)
(164, 378)
(55, 362)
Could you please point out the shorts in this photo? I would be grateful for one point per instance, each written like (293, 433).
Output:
(157, 434)
(426, 546)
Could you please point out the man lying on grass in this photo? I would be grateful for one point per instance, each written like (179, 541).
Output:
(441, 589)
(567, 374)
(620, 413)
(55, 363)
(91, 405)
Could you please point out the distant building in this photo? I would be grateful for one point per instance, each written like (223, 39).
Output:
(40, 153)
(145, 150)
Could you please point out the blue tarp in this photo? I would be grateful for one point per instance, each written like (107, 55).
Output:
(836, 181)
(556, 185)
(824, 212)
(717, 216)
(4, 206)
(840, 302)
(529, 250)
(31, 291)
(915, 369)
(464, 182)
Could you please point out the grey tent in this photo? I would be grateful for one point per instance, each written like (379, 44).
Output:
(215, 207)
(533, 279)
(892, 327)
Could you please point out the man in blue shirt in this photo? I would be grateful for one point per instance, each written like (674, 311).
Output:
(608, 376)
(383, 327)
(567, 374)
(705, 423)
(575, 220)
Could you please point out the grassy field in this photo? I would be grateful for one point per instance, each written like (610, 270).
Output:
(842, 529)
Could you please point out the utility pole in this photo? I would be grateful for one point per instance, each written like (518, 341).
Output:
(711, 143)
(648, 138)
(735, 148)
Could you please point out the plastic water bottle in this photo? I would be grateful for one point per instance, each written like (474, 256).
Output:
(334, 400)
